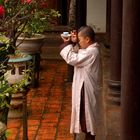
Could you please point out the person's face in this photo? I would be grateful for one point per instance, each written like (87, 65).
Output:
(83, 41)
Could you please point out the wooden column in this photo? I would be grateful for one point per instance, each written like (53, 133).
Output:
(130, 92)
(63, 6)
(81, 11)
(116, 41)
(108, 23)
(79, 8)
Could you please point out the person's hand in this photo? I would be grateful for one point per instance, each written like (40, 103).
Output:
(66, 39)
(74, 37)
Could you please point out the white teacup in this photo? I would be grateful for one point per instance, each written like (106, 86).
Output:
(65, 33)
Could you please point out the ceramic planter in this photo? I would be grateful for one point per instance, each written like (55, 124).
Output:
(30, 45)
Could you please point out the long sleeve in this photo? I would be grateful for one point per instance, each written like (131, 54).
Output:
(63, 45)
(80, 58)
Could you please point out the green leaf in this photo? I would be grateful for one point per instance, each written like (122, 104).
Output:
(8, 133)
(1, 1)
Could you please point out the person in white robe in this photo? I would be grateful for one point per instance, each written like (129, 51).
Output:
(86, 62)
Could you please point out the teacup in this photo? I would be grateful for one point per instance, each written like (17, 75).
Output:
(65, 33)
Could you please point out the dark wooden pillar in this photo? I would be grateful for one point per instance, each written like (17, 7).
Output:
(63, 9)
(80, 9)
(130, 92)
(81, 12)
(116, 41)
(108, 22)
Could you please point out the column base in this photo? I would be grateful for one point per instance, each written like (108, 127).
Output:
(114, 95)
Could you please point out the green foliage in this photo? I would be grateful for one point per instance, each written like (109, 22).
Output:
(40, 22)
(8, 134)
(5, 46)
(6, 90)
(5, 50)
(25, 16)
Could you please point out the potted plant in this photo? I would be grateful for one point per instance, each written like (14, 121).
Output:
(20, 20)
(25, 18)
(32, 38)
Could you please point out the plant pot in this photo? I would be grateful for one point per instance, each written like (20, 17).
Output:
(30, 45)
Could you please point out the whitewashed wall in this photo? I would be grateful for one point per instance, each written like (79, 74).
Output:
(96, 14)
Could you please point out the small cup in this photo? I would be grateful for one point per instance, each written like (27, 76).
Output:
(65, 33)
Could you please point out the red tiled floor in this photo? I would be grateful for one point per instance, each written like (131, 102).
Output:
(12, 133)
(49, 106)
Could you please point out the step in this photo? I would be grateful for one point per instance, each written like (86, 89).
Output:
(50, 49)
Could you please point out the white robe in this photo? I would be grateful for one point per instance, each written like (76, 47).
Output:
(86, 64)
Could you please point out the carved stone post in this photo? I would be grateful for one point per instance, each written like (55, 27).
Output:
(116, 41)
(130, 91)
(2, 131)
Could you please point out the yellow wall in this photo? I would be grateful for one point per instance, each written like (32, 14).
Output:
(96, 14)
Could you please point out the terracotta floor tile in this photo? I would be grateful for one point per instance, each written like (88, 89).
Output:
(53, 107)
(36, 112)
(51, 117)
(12, 132)
(47, 130)
(33, 122)
(48, 107)
(45, 136)
(35, 117)
(48, 125)
(55, 98)
(32, 128)
(64, 133)
(14, 123)
(61, 138)
(38, 99)
(31, 134)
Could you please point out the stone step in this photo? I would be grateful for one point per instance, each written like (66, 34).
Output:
(50, 49)
(58, 29)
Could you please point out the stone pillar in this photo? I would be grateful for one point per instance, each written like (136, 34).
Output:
(2, 131)
(130, 91)
(116, 41)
